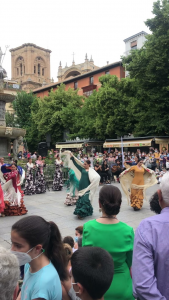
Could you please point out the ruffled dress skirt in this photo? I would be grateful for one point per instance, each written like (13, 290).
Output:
(83, 206)
(15, 210)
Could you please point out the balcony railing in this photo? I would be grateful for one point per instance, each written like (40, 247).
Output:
(12, 86)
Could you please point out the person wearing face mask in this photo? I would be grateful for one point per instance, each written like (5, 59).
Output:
(153, 163)
(38, 244)
(157, 157)
(92, 274)
(161, 160)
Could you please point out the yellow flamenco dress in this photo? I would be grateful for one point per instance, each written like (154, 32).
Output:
(134, 182)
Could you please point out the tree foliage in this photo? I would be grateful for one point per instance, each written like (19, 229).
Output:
(10, 119)
(57, 112)
(23, 106)
(149, 66)
(107, 113)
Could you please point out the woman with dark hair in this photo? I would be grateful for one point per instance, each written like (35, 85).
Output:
(13, 194)
(38, 244)
(109, 233)
(29, 183)
(105, 172)
(57, 181)
(135, 181)
(88, 183)
(39, 176)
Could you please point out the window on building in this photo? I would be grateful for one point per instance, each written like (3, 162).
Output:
(87, 94)
(34, 69)
(75, 85)
(17, 71)
(43, 72)
(134, 45)
(21, 69)
(38, 69)
(107, 72)
(91, 80)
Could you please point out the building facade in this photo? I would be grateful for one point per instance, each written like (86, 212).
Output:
(133, 42)
(30, 66)
(85, 83)
(75, 70)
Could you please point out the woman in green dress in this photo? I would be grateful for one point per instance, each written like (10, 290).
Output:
(117, 238)
(83, 204)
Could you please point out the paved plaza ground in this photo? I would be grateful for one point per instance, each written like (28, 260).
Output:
(51, 206)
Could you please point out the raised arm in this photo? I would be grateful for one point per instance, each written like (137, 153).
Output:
(76, 164)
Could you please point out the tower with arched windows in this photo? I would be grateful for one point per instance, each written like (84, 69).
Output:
(30, 66)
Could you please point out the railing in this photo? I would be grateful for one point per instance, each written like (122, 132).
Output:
(12, 87)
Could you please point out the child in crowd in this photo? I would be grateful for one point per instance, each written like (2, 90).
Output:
(68, 252)
(78, 236)
(92, 273)
(70, 241)
(38, 244)
(79, 231)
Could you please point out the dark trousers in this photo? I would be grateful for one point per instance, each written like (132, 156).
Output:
(117, 173)
(105, 175)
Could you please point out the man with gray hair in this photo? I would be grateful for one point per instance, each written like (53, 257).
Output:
(9, 274)
(150, 268)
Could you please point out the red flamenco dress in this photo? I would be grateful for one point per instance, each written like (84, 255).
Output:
(2, 204)
(13, 195)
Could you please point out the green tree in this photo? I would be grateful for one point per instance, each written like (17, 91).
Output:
(33, 136)
(108, 112)
(10, 119)
(23, 106)
(149, 66)
(57, 113)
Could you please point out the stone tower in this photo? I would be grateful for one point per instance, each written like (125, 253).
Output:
(30, 66)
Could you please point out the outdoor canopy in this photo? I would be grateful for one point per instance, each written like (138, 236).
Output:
(135, 143)
(68, 146)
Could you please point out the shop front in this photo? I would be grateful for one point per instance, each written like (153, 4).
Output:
(129, 145)
(142, 143)
(87, 146)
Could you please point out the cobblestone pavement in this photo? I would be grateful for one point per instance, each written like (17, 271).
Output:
(51, 206)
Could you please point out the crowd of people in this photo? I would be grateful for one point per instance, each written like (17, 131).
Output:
(86, 172)
(105, 259)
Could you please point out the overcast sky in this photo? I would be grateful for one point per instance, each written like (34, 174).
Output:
(95, 27)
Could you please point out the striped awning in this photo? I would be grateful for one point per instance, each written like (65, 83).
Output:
(68, 146)
(135, 143)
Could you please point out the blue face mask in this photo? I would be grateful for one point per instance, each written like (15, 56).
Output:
(76, 239)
